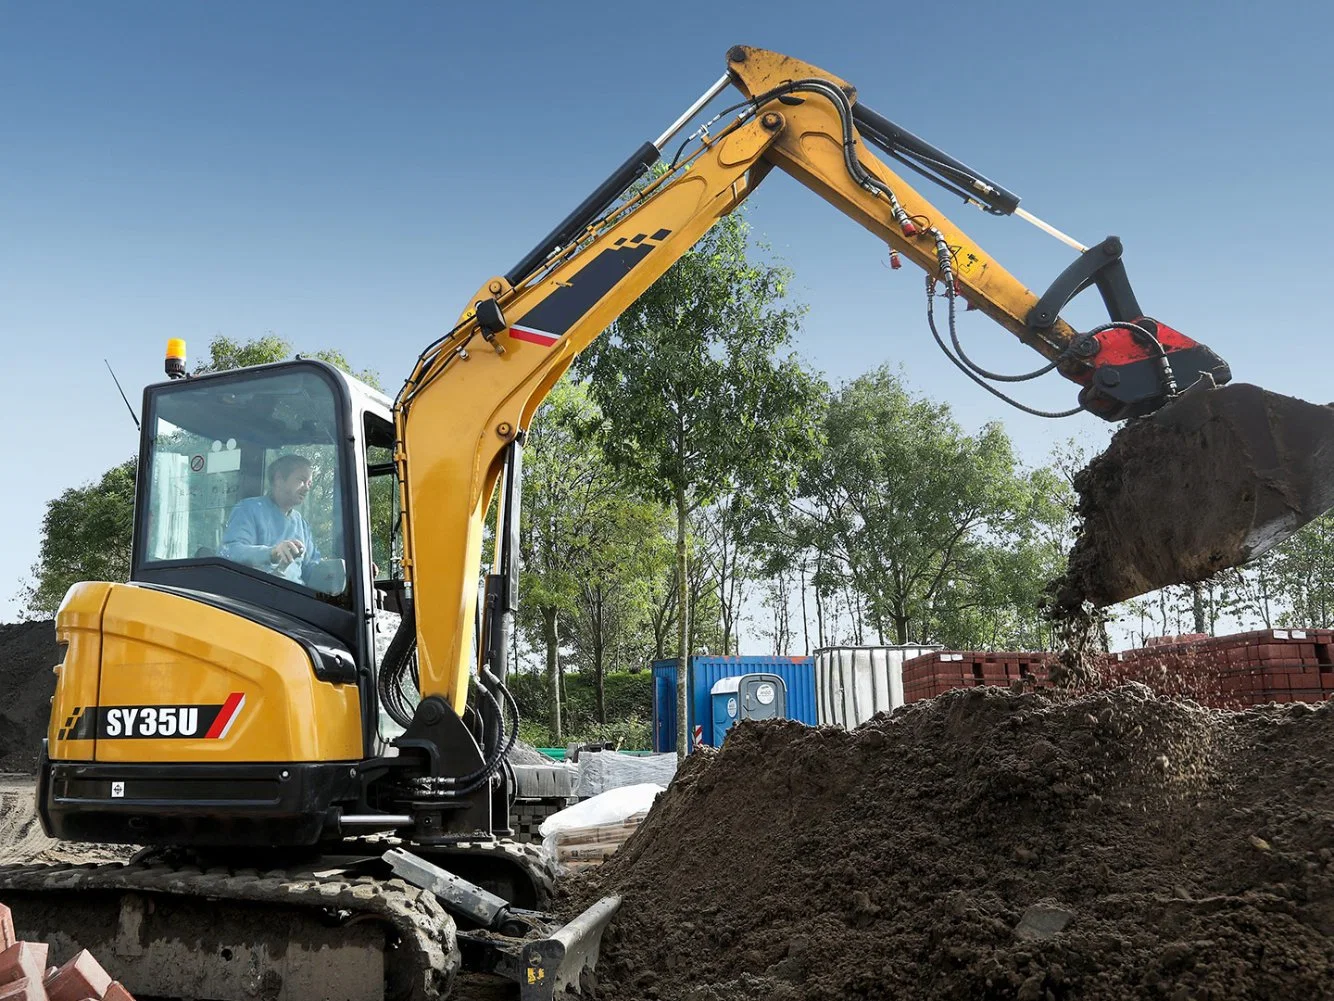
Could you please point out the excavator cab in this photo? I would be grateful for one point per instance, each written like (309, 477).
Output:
(232, 683)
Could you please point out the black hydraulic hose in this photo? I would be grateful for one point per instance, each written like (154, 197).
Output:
(997, 376)
(462, 785)
(397, 660)
(931, 322)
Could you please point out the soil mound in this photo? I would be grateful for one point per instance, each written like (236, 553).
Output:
(27, 653)
(988, 845)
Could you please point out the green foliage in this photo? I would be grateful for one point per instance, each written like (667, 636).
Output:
(694, 394)
(1304, 567)
(634, 733)
(85, 536)
(578, 524)
(339, 361)
(225, 354)
(629, 707)
(938, 532)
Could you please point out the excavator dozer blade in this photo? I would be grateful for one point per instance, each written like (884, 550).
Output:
(1210, 481)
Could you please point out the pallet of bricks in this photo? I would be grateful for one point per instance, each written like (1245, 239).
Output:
(941, 671)
(25, 975)
(586, 847)
(1233, 672)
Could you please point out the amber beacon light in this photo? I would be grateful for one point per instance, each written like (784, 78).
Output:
(175, 364)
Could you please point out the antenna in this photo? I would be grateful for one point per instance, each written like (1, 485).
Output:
(134, 417)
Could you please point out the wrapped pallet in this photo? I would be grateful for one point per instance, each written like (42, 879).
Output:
(590, 832)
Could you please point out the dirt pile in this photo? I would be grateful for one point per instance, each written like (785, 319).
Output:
(1211, 480)
(987, 845)
(27, 653)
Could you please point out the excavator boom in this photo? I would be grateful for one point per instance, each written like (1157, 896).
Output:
(485, 379)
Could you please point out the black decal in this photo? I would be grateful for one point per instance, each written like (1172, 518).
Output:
(558, 312)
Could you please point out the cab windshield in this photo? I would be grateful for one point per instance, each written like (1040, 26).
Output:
(247, 471)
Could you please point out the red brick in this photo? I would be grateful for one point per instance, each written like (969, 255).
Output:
(24, 989)
(23, 960)
(117, 992)
(82, 977)
(7, 937)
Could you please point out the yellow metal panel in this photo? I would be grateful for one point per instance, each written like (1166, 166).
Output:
(79, 628)
(161, 649)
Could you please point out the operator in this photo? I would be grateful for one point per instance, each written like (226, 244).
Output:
(268, 532)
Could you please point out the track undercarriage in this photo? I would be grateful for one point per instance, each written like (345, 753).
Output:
(338, 927)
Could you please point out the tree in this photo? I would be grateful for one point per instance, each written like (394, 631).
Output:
(85, 536)
(696, 400)
(87, 531)
(917, 515)
(726, 552)
(571, 503)
(612, 607)
(1304, 566)
(225, 354)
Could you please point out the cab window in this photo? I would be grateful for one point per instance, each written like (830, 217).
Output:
(247, 471)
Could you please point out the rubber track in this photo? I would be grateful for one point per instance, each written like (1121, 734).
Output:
(425, 931)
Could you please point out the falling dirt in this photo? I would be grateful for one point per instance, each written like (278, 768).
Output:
(988, 845)
(1210, 481)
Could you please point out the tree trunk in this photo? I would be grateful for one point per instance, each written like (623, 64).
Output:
(1197, 607)
(900, 628)
(599, 671)
(551, 636)
(819, 604)
(682, 625)
(805, 622)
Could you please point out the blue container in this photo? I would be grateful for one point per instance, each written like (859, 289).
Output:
(798, 673)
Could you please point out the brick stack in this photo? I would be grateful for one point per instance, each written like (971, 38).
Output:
(1233, 672)
(24, 975)
(940, 671)
(1225, 672)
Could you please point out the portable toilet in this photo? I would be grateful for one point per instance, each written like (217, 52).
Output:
(746, 696)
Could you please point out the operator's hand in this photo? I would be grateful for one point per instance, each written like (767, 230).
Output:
(285, 552)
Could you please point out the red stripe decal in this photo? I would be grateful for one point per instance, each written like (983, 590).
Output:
(534, 336)
(224, 721)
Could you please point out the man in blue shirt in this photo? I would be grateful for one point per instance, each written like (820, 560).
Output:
(268, 532)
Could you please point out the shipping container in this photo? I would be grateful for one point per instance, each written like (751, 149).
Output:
(853, 683)
(798, 674)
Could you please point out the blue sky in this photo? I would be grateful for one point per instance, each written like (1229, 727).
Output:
(345, 176)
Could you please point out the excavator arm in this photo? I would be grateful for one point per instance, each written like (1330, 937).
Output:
(472, 392)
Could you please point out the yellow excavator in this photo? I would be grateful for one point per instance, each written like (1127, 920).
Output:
(291, 722)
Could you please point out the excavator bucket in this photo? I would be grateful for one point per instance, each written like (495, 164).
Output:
(1210, 481)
